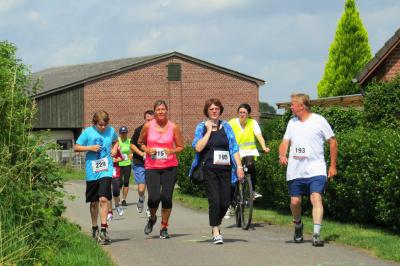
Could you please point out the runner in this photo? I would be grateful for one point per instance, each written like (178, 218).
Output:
(245, 128)
(306, 171)
(138, 161)
(97, 141)
(216, 148)
(161, 140)
(125, 165)
(116, 189)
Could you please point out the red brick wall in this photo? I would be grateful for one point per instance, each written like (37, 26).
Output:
(390, 67)
(127, 95)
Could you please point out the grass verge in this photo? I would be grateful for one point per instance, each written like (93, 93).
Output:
(381, 243)
(75, 248)
(69, 173)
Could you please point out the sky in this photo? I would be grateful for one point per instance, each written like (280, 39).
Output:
(283, 42)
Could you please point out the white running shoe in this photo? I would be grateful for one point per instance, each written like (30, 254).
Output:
(256, 195)
(109, 217)
(120, 210)
(228, 213)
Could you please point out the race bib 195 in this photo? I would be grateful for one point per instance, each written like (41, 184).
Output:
(100, 165)
(222, 158)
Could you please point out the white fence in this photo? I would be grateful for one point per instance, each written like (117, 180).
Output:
(68, 157)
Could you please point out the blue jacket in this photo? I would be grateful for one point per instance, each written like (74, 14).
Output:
(233, 146)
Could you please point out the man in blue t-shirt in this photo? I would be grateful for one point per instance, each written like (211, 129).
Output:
(98, 141)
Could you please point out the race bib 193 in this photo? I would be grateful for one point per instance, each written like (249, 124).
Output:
(160, 154)
(222, 158)
(300, 152)
(100, 165)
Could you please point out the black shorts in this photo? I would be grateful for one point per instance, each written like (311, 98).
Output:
(98, 188)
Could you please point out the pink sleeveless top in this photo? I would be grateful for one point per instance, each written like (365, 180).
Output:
(157, 139)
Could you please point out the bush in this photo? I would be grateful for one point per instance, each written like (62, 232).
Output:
(186, 185)
(340, 119)
(367, 187)
(382, 105)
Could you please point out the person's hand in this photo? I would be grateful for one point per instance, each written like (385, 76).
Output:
(168, 151)
(240, 173)
(151, 151)
(143, 154)
(95, 148)
(283, 160)
(332, 172)
(209, 125)
(266, 149)
(130, 156)
(113, 152)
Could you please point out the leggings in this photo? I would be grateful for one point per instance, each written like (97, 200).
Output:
(125, 175)
(160, 186)
(116, 189)
(218, 188)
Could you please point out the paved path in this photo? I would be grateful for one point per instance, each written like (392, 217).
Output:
(190, 242)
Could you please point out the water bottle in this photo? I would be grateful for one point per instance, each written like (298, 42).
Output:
(99, 141)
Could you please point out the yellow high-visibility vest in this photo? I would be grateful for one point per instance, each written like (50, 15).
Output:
(245, 138)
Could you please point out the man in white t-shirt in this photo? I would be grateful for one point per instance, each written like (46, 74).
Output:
(306, 168)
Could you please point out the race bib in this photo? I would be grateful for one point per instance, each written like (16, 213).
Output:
(159, 155)
(300, 152)
(222, 158)
(125, 157)
(244, 153)
(100, 165)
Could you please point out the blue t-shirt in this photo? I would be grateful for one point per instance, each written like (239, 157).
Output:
(95, 161)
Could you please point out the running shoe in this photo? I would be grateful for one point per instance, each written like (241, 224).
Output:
(229, 212)
(120, 210)
(149, 226)
(218, 240)
(140, 206)
(256, 195)
(164, 233)
(95, 232)
(123, 203)
(109, 216)
(104, 239)
(316, 241)
(298, 233)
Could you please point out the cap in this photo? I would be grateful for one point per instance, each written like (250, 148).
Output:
(123, 129)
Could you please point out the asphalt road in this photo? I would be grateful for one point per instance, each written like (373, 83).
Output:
(190, 242)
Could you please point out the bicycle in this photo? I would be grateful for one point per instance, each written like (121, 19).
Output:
(243, 201)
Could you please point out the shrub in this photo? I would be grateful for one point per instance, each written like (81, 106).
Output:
(186, 185)
(382, 104)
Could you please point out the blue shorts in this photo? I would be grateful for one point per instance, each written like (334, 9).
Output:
(306, 186)
(138, 172)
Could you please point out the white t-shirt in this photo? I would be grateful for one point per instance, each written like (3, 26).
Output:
(306, 156)
(256, 126)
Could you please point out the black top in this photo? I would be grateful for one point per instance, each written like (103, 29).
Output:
(218, 142)
(136, 159)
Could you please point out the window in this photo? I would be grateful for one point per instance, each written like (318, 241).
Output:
(174, 72)
(65, 144)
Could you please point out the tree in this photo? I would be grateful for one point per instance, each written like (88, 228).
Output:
(348, 54)
(266, 108)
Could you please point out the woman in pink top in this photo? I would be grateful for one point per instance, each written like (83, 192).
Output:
(161, 140)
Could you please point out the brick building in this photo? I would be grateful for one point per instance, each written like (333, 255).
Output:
(385, 64)
(126, 88)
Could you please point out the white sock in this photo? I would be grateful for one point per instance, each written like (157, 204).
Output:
(317, 228)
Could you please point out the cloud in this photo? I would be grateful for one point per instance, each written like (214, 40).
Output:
(76, 52)
(209, 5)
(34, 16)
(8, 5)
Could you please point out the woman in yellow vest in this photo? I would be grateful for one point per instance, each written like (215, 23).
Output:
(125, 165)
(245, 129)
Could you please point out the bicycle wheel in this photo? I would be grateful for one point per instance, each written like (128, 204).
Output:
(236, 204)
(246, 202)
